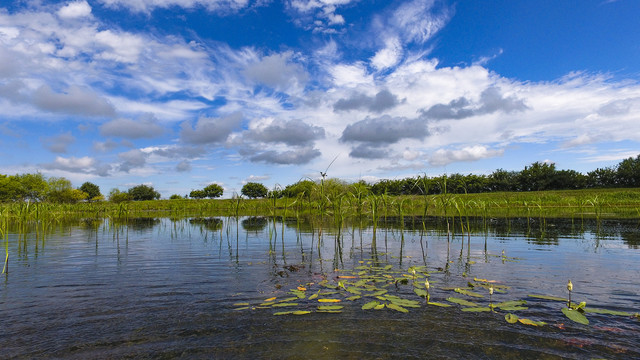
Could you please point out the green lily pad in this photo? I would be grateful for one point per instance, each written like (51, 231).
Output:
(575, 315)
(330, 307)
(241, 308)
(284, 304)
(531, 322)
(461, 301)
(468, 293)
(438, 304)
(297, 312)
(379, 307)
(511, 318)
(355, 297)
(606, 312)
(420, 292)
(510, 303)
(397, 308)
(513, 308)
(241, 304)
(370, 305)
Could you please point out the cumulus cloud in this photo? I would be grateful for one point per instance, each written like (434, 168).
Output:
(256, 178)
(73, 10)
(132, 159)
(82, 165)
(366, 151)
(75, 101)
(276, 71)
(491, 100)
(145, 127)
(383, 100)
(105, 146)
(318, 15)
(291, 132)
(58, 143)
(210, 130)
(618, 107)
(183, 166)
(385, 130)
(470, 153)
(287, 157)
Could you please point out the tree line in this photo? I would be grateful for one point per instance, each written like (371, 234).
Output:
(538, 176)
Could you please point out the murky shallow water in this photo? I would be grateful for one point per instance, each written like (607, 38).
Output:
(166, 289)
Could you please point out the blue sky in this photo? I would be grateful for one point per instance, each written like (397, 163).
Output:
(179, 94)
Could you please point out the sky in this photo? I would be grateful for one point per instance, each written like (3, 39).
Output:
(179, 94)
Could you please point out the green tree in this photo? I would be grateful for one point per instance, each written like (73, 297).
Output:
(175, 197)
(33, 187)
(628, 172)
(213, 191)
(254, 190)
(143, 192)
(117, 196)
(10, 188)
(537, 176)
(197, 194)
(602, 177)
(91, 189)
(61, 191)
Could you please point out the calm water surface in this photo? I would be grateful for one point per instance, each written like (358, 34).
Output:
(159, 288)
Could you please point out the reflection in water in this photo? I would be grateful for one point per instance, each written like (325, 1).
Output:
(170, 288)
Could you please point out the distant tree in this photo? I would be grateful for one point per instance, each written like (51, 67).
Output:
(197, 194)
(175, 197)
(60, 191)
(91, 189)
(536, 177)
(254, 190)
(213, 191)
(628, 172)
(302, 188)
(10, 189)
(117, 196)
(602, 177)
(33, 187)
(143, 192)
(503, 180)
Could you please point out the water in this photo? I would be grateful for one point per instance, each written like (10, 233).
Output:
(159, 288)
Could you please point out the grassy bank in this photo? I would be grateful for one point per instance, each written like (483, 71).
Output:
(600, 203)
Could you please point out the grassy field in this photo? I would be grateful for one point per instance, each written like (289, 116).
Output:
(592, 203)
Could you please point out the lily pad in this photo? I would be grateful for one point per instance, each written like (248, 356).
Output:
(606, 312)
(241, 304)
(531, 322)
(438, 304)
(513, 308)
(330, 307)
(352, 298)
(397, 308)
(575, 315)
(297, 312)
(511, 303)
(461, 301)
(511, 318)
(284, 304)
(329, 300)
(420, 292)
(468, 293)
(370, 305)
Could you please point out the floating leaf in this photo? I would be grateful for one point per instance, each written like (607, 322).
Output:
(288, 299)
(547, 297)
(347, 277)
(329, 311)
(379, 307)
(532, 322)
(504, 304)
(379, 292)
(313, 296)
(575, 315)
(270, 299)
(484, 280)
(579, 306)
(370, 305)
(330, 307)
(354, 290)
(241, 304)
(329, 300)
(511, 318)
(606, 312)
(241, 308)
(297, 312)
(284, 304)
(476, 309)
(468, 293)
(513, 308)
(461, 301)
(268, 303)
(352, 298)
(298, 293)
(420, 292)
(438, 304)
(402, 302)
(388, 267)
(397, 308)
(302, 288)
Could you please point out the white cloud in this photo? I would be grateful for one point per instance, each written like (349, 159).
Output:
(389, 56)
(76, 9)
(147, 6)
(145, 127)
(469, 153)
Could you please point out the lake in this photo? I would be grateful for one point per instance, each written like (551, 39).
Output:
(209, 288)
